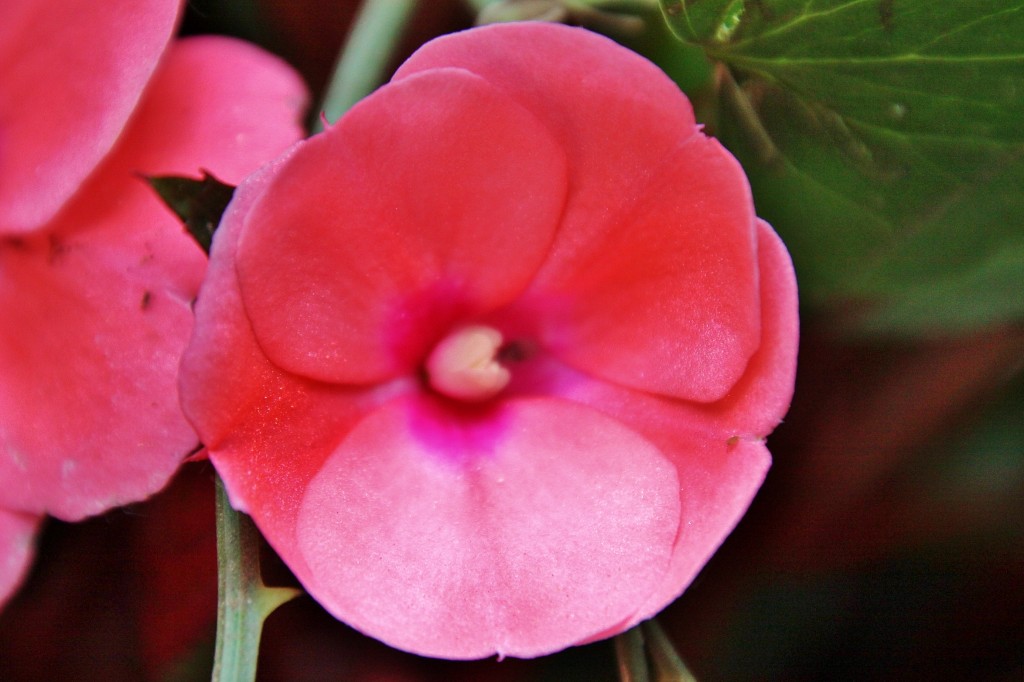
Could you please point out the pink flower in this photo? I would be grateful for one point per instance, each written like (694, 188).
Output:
(491, 361)
(96, 275)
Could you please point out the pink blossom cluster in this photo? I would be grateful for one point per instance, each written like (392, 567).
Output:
(97, 276)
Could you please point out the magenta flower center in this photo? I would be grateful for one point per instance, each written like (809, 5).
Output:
(465, 364)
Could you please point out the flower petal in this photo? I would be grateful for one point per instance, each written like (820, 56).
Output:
(17, 535)
(93, 330)
(719, 461)
(718, 480)
(424, 191)
(216, 104)
(61, 106)
(108, 292)
(719, 471)
(666, 298)
(516, 532)
(611, 135)
(758, 401)
(223, 371)
(656, 213)
(754, 406)
(244, 407)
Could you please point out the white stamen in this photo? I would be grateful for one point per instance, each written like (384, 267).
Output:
(464, 364)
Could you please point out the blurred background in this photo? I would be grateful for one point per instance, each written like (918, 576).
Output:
(888, 540)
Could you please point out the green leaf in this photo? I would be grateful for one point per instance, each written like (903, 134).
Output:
(700, 20)
(198, 203)
(883, 140)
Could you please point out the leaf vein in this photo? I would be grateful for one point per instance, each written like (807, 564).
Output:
(906, 58)
(965, 27)
(805, 17)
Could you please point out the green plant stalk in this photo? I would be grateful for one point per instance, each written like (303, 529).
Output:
(629, 652)
(479, 5)
(645, 654)
(668, 665)
(365, 56)
(243, 601)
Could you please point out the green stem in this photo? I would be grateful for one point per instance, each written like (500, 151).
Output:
(368, 49)
(244, 601)
(645, 654)
(634, 6)
(762, 143)
(477, 6)
(667, 662)
(629, 651)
